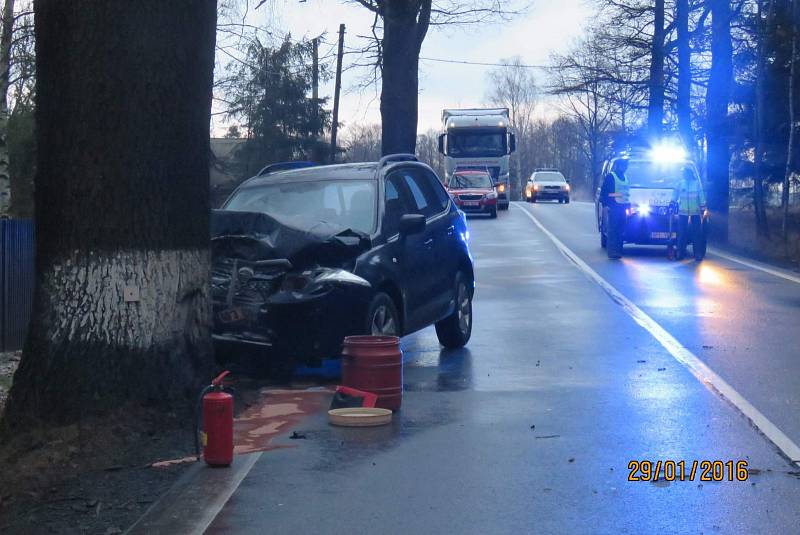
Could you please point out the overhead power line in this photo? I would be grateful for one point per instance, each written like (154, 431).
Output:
(464, 62)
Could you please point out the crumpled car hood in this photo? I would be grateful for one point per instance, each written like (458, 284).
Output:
(258, 236)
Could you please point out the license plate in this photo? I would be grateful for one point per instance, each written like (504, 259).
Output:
(472, 203)
(661, 235)
(232, 315)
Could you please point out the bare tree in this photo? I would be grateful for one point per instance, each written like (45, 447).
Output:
(398, 31)
(362, 143)
(684, 104)
(718, 97)
(513, 86)
(794, 122)
(655, 111)
(16, 33)
(581, 78)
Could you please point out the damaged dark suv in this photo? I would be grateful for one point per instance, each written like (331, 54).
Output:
(304, 257)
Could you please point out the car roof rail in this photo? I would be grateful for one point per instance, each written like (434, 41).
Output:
(284, 166)
(394, 158)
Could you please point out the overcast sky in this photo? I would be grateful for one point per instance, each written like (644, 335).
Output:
(548, 26)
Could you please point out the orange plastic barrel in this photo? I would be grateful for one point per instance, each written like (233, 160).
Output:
(374, 364)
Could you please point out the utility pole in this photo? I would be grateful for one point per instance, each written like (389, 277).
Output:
(337, 90)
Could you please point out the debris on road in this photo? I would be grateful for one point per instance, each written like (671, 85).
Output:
(298, 436)
(548, 436)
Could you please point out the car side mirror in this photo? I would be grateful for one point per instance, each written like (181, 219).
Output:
(441, 143)
(411, 224)
(512, 143)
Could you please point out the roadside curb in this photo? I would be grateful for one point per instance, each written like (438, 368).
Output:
(188, 506)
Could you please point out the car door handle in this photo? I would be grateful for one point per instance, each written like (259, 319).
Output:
(451, 230)
(428, 242)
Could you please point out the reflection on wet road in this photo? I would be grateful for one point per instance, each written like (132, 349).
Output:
(532, 427)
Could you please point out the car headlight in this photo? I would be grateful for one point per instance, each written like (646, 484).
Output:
(491, 195)
(342, 277)
(566, 187)
(295, 282)
(536, 187)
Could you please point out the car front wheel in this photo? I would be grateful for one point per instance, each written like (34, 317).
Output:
(455, 330)
(382, 317)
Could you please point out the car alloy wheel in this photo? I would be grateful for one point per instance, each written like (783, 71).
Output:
(383, 322)
(464, 309)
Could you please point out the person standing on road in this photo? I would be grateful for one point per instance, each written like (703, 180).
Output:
(615, 197)
(691, 206)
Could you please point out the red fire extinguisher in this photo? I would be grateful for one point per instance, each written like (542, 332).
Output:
(214, 425)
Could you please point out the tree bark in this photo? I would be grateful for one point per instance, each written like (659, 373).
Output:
(6, 38)
(717, 100)
(123, 95)
(655, 113)
(405, 25)
(762, 227)
(793, 119)
(684, 75)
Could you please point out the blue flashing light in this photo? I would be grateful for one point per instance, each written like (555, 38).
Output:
(667, 153)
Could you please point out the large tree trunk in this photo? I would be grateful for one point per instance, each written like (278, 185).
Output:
(6, 38)
(684, 75)
(655, 108)
(762, 227)
(404, 27)
(123, 104)
(717, 99)
(793, 119)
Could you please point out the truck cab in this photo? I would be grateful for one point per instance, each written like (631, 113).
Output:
(479, 139)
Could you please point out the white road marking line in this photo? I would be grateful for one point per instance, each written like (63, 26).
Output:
(698, 368)
(777, 272)
(222, 498)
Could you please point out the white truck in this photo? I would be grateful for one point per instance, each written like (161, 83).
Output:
(479, 139)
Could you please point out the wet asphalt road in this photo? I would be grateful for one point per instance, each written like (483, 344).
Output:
(531, 428)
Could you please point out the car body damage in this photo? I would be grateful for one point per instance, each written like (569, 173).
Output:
(274, 285)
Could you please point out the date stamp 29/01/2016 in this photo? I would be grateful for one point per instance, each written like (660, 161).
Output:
(669, 470)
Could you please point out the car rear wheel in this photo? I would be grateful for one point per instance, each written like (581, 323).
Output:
(455, 330)
(382, 317)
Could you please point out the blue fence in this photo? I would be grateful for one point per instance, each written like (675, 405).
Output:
(16, 281)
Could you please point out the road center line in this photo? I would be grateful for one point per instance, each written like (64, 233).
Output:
(698, 368)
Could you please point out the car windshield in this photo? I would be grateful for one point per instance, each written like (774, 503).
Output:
(471, 180)
(649, 174)
(349, 203)
(477, 143)
(549, 177)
